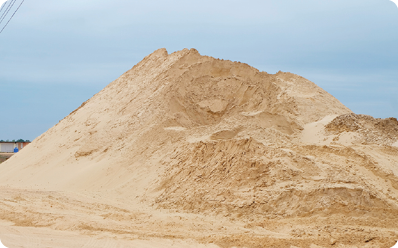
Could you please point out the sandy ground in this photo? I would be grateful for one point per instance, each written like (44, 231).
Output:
(29, 219)
(30, 237)
(32, 218)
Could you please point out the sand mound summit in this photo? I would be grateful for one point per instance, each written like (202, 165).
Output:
(272, 158)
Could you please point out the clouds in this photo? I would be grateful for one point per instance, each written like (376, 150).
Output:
(293, 32)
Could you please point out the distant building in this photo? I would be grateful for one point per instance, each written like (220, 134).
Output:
(10, 146)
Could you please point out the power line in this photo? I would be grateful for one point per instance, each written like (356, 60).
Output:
(5, 3)
(7, 10)
(12, 15)
(8, 4)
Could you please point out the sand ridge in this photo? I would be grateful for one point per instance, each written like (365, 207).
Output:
(189, 147)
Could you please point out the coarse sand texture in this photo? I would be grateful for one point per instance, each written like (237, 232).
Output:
(186, 150)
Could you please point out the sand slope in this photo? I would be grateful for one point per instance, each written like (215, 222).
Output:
(184, 146)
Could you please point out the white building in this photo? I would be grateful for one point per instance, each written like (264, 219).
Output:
(10, 146)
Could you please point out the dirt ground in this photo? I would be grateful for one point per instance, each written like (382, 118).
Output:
(5, 156)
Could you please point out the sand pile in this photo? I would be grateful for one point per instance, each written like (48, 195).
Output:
(184, 146)
(370, 130)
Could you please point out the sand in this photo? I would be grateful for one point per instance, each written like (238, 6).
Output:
(190, 151)
(15, 236)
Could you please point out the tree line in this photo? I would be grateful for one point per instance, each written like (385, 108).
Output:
(20, 140)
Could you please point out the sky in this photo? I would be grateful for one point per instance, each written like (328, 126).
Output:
(54, 55)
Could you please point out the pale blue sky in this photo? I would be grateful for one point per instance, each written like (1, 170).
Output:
(56, 54)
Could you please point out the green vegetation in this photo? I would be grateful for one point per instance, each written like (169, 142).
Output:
(20, 140)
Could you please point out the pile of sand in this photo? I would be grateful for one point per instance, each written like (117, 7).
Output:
(188, 147)
(371, 130)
